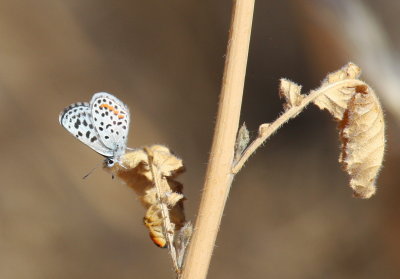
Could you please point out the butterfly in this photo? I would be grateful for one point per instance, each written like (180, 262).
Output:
(102, 124)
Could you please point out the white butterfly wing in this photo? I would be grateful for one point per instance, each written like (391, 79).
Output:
(77, 120)
(111, 120)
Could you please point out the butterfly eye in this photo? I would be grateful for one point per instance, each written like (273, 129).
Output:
(110, 163)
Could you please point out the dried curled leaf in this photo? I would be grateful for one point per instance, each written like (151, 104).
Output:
(363, 141)
(182, 241)
(291, 92)
(349, 71)
(242, 140)
(337, 99)
(140, 169)
(169, 164)
(361, 126)
(172, 198)
(263, 129)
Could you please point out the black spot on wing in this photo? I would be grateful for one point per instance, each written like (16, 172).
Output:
(77, 123)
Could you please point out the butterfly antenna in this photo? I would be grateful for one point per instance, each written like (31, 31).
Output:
(90, 172)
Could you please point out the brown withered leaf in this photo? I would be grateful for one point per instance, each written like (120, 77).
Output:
(349, 71)
(132, 160)
(135, 170)
(337, 99)
(171, 198)
(168, 164)
(291, 92)
(363, 141)
(361, 127)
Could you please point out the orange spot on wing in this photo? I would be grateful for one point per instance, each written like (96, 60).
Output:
(111, 108)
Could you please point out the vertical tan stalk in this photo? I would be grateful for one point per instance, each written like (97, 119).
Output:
(219, 175)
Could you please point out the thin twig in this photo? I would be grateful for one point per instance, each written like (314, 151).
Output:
(219, 177)
(266, 130)
(168, 226)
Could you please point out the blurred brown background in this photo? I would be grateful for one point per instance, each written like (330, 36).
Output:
(290, 213)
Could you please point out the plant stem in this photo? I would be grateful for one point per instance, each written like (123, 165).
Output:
(219, 175)
(266, 130)
(168, 226)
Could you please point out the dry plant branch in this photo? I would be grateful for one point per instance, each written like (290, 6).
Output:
(266, 129)
(219, 176)
(168, 226)
(361, 125)
(151, 171)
